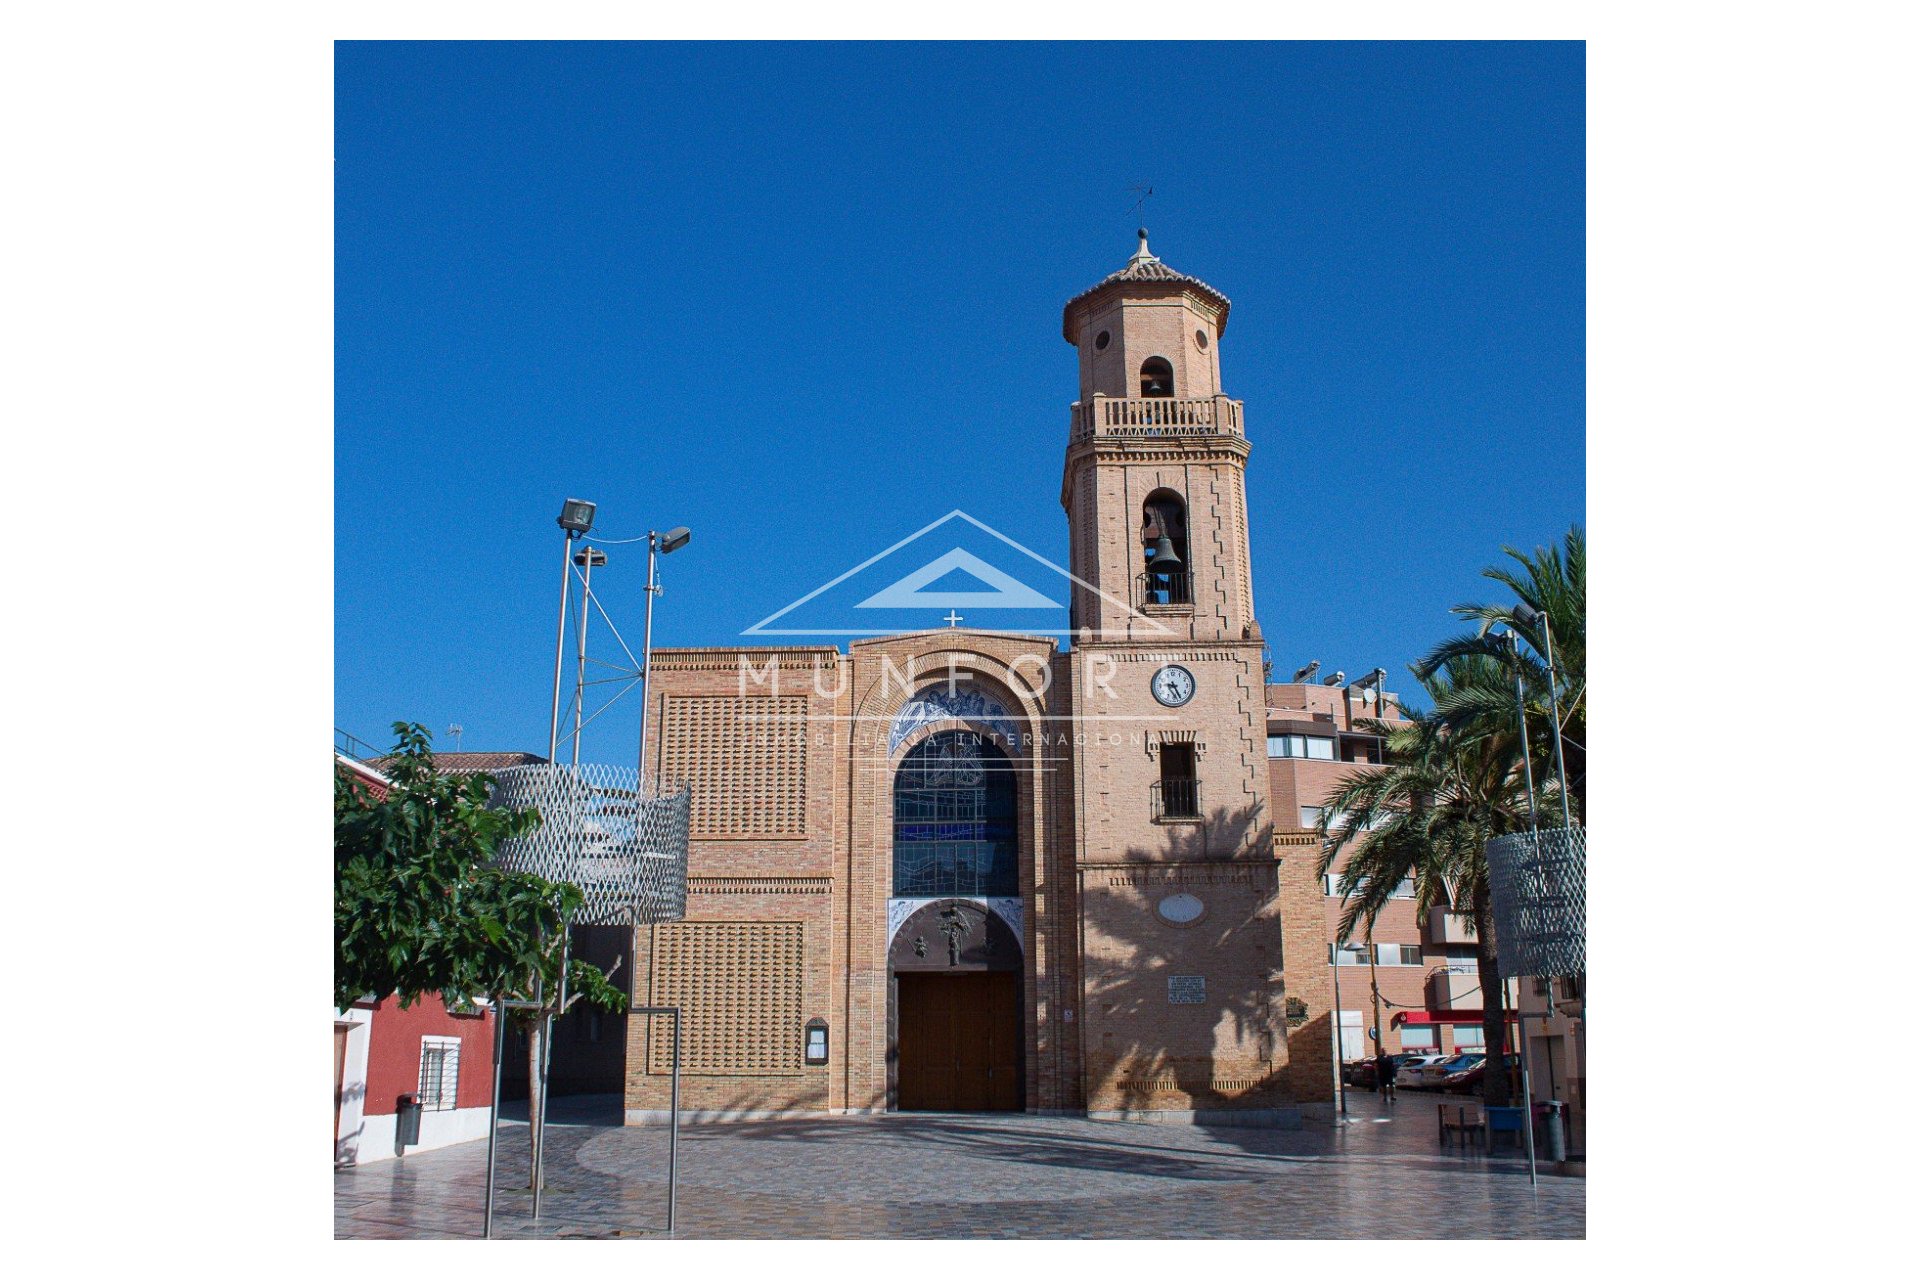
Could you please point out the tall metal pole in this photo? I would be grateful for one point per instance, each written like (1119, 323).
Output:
(539, 1122)
(1339, 1032)
(646, 667)
(560, 644)
(1526, 1090)
(1533, 824)
(673, 1128)
(1373, 978)
(1553, 699)
(493, 1120)
(1526, 751)
(580, 650)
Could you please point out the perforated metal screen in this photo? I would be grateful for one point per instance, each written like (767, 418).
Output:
(629, 858)
(1539, 885)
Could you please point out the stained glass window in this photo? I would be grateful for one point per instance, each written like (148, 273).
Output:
(953, 820)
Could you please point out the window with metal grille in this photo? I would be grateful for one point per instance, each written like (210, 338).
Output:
(1177, 794)
(439, 1072)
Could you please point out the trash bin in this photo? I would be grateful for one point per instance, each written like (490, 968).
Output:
(1553, 1116)
(406, 1127)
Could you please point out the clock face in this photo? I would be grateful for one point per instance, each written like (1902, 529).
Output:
(1173, 686)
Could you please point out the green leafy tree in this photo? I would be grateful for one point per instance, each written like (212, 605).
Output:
(1552, 581)
(1426, 816)
(419, 906)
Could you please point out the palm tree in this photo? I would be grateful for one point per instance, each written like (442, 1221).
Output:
(1553, 582)
(1427, 816)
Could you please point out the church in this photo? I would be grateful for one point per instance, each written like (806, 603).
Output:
(967, 870)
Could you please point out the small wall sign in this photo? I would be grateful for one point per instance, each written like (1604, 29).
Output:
(1186, 988)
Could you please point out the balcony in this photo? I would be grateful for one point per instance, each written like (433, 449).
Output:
(1154, 418)
(1175, 799)
(1444, 926)
(1454, 990)
(1163, 591)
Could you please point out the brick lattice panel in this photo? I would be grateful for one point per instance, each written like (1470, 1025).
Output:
(746, 759)
(738, 986)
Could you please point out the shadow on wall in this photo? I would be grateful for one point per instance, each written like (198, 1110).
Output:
(1146, 1049)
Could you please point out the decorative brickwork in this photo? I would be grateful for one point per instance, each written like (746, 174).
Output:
(739, 988)
(754, 886)
(747, 761)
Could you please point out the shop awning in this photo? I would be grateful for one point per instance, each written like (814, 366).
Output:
(1421, 1018)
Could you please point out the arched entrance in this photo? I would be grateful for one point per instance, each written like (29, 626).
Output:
(954, 964)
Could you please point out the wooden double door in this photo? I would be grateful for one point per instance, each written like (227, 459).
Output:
(960, 1042)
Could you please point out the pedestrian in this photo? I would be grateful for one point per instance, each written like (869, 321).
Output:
(1383, 1067)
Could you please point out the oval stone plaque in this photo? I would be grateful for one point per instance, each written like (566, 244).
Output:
(1180, 908)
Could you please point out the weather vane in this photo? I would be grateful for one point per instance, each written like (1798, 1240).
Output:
(1141, 190)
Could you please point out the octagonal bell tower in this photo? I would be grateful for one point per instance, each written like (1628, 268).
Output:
(1155, 479)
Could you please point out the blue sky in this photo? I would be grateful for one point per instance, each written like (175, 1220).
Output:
(806, 299)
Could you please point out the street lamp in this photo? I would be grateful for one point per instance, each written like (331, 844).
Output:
(576, 518)
(1526, 615)
(658, 544)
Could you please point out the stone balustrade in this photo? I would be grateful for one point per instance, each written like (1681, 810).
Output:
(1152, 417)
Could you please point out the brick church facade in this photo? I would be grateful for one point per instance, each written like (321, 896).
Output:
(980, 871)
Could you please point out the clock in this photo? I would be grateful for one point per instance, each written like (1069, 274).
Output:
(1173, 686)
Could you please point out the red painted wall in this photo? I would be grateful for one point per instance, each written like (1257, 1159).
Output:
(393, 1053)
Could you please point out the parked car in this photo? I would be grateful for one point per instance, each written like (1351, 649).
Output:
(1359, 1073)
(1470, 1080)
(1437, 1073)
(1410, 1066)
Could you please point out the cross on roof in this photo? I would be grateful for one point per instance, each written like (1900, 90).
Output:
(953, 618)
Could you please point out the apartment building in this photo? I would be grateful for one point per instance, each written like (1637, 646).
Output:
(1414, 984)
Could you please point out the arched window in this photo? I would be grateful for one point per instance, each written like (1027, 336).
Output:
(1156, 378)
(1168, 577)
(953, 820)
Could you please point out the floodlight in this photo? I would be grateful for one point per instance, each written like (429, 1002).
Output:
(576, 516)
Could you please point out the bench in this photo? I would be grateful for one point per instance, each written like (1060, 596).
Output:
(1462, 1118)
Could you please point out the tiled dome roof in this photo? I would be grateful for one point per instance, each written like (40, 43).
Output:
(1146, 268)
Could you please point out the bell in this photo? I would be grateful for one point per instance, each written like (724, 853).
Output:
(1164, 559)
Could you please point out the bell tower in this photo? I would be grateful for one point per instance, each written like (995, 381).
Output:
(1155, 482)
(1187, 1003)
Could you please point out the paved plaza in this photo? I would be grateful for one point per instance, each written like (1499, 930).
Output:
(1384, 1175)
(989, 1177)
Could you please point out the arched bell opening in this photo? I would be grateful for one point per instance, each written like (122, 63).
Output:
(1167, 576)
(1156, 378)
